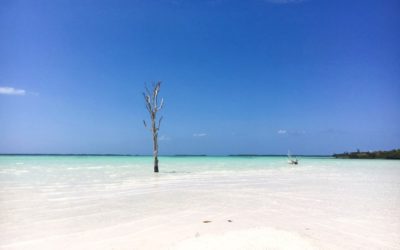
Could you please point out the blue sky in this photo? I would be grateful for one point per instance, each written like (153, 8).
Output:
(256, 76)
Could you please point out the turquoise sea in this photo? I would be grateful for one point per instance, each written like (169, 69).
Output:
(26, 170)
(142, 165)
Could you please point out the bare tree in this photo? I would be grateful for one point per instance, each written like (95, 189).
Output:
(153, 106)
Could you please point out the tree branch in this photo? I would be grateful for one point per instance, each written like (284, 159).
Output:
(147, 89)
(145, 125)
(148, 104)
(161, 104)
(159, 122)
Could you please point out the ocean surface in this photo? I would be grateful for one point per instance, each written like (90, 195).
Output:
(117, 202)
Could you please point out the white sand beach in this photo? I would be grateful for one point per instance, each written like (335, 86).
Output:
(246, 204)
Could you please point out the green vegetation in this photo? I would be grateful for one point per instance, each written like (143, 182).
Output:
(392, 154)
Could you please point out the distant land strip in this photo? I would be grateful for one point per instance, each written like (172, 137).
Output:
(392, 154)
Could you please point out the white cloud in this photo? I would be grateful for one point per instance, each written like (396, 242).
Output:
(164, 138)
(199, 135)
(11, 91)
(291, 132)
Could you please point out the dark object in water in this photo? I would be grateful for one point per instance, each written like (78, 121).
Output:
(291, 160)
(206, 221)
(229, 220)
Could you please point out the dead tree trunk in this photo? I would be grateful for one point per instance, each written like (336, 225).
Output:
(152, 106)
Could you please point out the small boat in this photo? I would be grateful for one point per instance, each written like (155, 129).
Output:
(291, 160)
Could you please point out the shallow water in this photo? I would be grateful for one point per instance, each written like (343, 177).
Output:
(105, 202)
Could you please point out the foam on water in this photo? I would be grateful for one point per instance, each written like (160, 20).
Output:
(57, 202)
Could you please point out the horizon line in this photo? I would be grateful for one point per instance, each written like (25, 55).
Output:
(167, 155)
